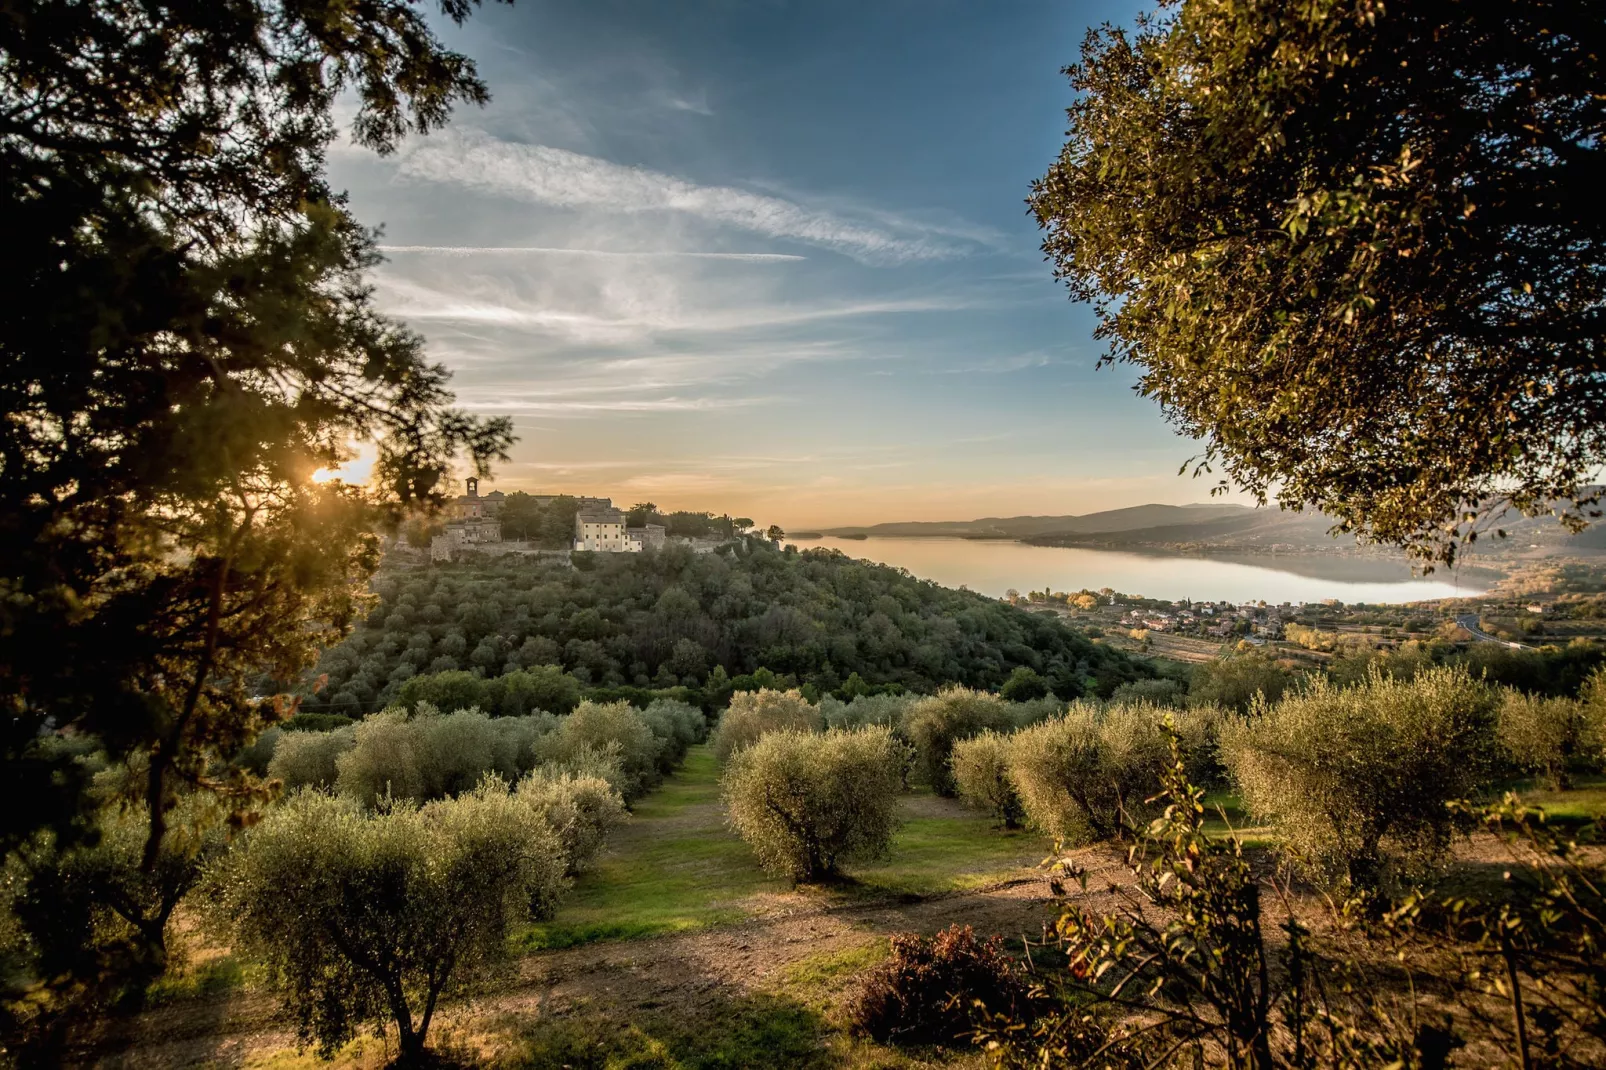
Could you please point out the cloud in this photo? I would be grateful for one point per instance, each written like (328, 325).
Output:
(612, 309)
(558, 178)
(543, 250)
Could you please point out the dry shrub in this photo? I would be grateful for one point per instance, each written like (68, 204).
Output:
(927, 991)
(807, 801)
(935, 723)
(981, 772)
(754, 713)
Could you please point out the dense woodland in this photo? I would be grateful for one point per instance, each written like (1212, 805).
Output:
(682, 619)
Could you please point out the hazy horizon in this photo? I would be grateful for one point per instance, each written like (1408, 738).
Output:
(728, 257)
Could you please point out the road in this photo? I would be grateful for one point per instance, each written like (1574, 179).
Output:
(1469, 621)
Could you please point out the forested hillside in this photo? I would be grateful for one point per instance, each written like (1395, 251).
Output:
(680, 618)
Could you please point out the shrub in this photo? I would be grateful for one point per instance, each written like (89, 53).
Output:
(384, 763)
(805, 802)
(935, 723)
(317, 722)
(537, 688)
(451, 690)
(884, 710)
(1161, 692)
(580, 810)
(96, 917)
(614, 729)
(255, 756)
(432, 755)
(362, 917)
(1023, 685)
(309, 759)
(981, 773)
(1081, 775)
(1358, 778)
(928, 990)
(1551, 737)
(1236, 681)
(678, 725)
(1034, 711)
(753, 713)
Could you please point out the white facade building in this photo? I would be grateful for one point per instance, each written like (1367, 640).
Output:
(603, 531)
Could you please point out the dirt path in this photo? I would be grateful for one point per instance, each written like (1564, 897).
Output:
(677, 841)
(686, 971)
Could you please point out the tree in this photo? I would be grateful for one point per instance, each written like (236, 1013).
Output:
(362, 918)
(641, 514)
(189, 339)
(1087, 775)
(1235, 682)
(934, 724)
(752, 714)
(742, 523)
(807, 801)
(981, 775)
(94, 915)
(1356, 248)
(1358, 779)
(774, 533)
(1023, 685)
(1553, 737)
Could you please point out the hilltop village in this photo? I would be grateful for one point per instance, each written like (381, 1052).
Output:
(486, 526)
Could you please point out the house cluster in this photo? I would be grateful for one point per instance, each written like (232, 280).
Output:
(474, 527)
(1214, 618)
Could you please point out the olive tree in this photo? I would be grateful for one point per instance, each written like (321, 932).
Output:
(94, 913)
(981, 773)
(935, 723)
(310, 759)
(807, 801)
(753, 713)
(611, 729)
(365, 918)
(1551, 737)
(1358, 779)
(1354, 247)
(580, 810)
(1085, 775)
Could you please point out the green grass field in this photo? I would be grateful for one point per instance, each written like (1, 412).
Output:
(677, 867)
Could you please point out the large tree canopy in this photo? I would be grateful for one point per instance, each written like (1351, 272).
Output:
(1355, 246)
(186, 340)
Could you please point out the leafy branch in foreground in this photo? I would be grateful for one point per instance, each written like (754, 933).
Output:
(1187, 971)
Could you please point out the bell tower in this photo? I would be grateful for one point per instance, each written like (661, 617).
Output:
(473, 487)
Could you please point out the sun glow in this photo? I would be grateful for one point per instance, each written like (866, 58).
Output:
(355, 471)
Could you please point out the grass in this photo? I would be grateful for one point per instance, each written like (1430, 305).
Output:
(943, 847)
(1584, 802)
(673, 868)
(676, 867)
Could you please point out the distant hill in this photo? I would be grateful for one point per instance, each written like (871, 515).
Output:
(1020, 527)
(1215, 527)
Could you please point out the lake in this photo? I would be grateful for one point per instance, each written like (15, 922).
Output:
(993, 566)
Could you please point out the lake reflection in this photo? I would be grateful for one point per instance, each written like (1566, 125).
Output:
(994, 566)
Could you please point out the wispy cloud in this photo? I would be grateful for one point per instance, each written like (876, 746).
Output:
(618, 310)
(464, 251)
(559, 178)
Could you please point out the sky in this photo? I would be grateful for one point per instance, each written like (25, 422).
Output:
(766, 258)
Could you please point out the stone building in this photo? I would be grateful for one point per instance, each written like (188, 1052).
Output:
(471, 505)
(602, 530)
